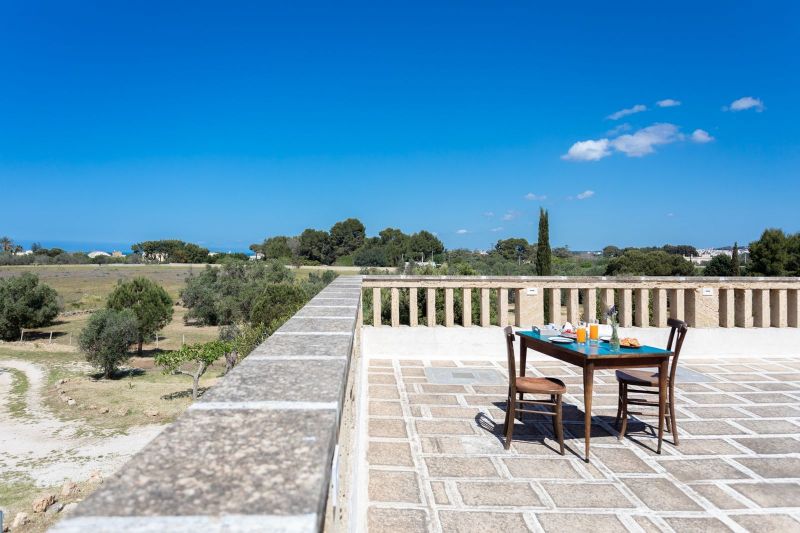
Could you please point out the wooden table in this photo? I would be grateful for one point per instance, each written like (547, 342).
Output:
(591, 356)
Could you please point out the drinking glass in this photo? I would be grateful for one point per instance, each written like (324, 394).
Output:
(581, 334)
(594, 332)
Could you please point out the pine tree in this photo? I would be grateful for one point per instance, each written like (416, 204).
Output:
(543, 262)
(735, 260)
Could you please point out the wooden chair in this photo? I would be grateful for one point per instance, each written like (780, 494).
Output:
(646, 381)
(521, 385)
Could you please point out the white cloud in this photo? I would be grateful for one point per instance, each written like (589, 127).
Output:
(488, 214)
(613, 132)
(642, 141)
(531, 196)
(701, 136)
(744, 103)
(590, 150)
(462, 232)
(668, 102)
(495, 230)
(511, 215)
(638, 108)
(585, 194)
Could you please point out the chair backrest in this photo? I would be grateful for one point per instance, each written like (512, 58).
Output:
(677, 333)
(512, 364)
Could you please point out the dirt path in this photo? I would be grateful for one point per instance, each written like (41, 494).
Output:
(49, 450)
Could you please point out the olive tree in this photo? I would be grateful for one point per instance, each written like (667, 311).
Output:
(201, 356)
(150, 303)
(106, 338)
(25, 303)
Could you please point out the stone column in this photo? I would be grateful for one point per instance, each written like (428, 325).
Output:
(744, 308)
(502, 307)
(625, 308)
(572, 306)
(660, 308)
(413, 311)
(606, 301)
(448, 307)
(641, 299)
(726, 308)
(702, 308)
(529, 310)
(430, 311)
(395, 307)
(778, 310)
(676, 304)
(793, 308)
(761, 308)
(590, 305)
(555, 305)
(486, 317)
(466, 308)
(376, 306)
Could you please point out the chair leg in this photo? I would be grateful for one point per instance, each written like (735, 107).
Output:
(508, 410)
(510, 423)
(624, 412)
(559, 425)
(672, 415)
(619, 406)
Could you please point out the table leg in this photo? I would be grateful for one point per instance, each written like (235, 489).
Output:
(523, 356)
(588, 385)
(662, 400)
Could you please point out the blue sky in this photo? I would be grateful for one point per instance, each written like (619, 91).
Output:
(224, 122)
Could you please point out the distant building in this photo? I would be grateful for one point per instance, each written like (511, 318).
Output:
(705, 255)
(98, 253)
(258, 256)
(24, 252)
(117, 253)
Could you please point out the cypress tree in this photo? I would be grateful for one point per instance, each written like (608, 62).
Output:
(543, 263)
(735, 260)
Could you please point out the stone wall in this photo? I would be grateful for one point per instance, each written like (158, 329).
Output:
(254, 453)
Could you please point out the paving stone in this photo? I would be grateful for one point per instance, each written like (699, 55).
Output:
(412, 372)
(438, 389)
(386, 379)
(384, 427)
(767, 397)
(461, 445)
(731, 387)
(454, 412)
(587, 495)
(480, 522)
(389, 453)
(794, 377)
(381, 520)
(380, 363)
(660, 494)
(444, 427)
(692, 387)
(770, 427)
(646, 524)
(384, 392)
(715, 412)
(385, 409)
(439, 493)
(720, 498)
(701, 469)
(710, 427)
(767, 522)
(476, 467)
(621, 460)
(776, 386)
(433, 399)
(697, 525)
(519, 494)
(773, 411)
(580, 523)
(713, 398)
(527, 467)
(773, 467)
(599, 435)
(770, 446)
(416, 411)
(392, 486)
(411, 362)
(496, 390)
(770, 494)
(707, 447)
(440, 363)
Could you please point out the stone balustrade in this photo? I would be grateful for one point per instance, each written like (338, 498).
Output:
(703, 302)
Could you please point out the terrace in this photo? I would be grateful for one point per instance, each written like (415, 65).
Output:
(347, 422)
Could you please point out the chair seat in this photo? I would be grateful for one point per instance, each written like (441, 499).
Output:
(641, 378)
(540, 385)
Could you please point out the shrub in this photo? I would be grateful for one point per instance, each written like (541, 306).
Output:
(277, 303)
(150, 303)
(25, 303)
(106, 338)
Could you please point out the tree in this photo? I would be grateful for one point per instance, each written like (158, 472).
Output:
(202, 355)
(611, 251)
(424, 242)
(375, 256)
(150, 303)
(25, 303)
(347, 236)
(681, 249)
(276, 303)
(514, 249)
(6, 244)
(735, 268)
(276, 248)
(315, 245)
(769, 254)
(640, 263)
(543, 260)
(106, 338)
(720, 265)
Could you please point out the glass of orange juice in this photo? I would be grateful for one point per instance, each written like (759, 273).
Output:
(594, 332)
(581, 334)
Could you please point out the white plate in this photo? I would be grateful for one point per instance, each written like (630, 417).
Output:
(561, 340)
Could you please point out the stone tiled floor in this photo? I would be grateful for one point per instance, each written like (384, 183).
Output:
(437, 462)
